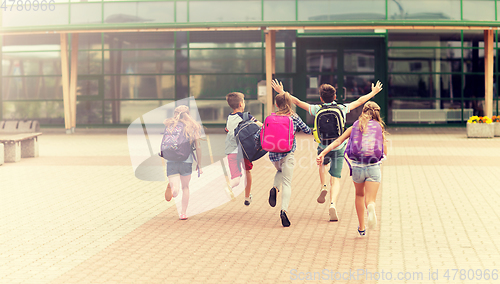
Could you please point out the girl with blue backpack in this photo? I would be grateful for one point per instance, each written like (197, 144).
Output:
(365, 149)
(278, 138)
(179, 144)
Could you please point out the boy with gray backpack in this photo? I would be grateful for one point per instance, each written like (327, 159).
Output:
(239, 126)
(329, 124)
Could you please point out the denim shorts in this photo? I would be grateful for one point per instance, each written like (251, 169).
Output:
(179, 168)
(366, 173)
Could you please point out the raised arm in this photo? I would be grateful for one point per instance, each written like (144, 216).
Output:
(278, 87)
(333, 145)
(375, 90)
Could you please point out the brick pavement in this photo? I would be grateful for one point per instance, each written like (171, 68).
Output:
(78, 215)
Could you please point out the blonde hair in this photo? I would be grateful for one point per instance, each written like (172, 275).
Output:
(284, 103)
(192, 129)
(371, 111)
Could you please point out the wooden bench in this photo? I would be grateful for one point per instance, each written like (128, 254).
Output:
(18, 139)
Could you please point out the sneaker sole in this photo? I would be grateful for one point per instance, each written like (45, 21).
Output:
(272, 197)
(322, 195)
(333, 214)
(247, 203)
(372, 218)
(284, 221)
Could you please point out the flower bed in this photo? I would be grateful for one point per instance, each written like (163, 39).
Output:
(480, 127)
(496, 122)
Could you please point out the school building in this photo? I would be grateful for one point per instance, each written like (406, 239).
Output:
(104, 63)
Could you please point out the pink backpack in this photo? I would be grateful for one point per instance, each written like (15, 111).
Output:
(277, 134)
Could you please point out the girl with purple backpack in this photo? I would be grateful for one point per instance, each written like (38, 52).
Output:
(366, 149)
(181, 127)
(277, 134)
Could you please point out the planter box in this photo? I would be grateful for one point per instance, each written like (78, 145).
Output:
(480, 130)
(497, 128)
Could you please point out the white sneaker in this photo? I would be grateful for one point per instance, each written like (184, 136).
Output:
(333, 213)
(248, 200)
(322, 194)
(372, 217)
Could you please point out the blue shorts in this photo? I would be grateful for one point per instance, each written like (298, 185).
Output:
(366, 173)
(179, 168)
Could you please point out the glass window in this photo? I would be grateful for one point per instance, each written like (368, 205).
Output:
(88, 13)
(88, 41)
(44, 112)
(360, 60)
(326, 10)
(286, 38)
(139, 87)
(474, 60)
(424, 10)
(125, 112)
(139, 12)
(37, 16)
(89, 112)
(31, 42)
(357, 86)
(424, 60)
(90, 62)
(26, 88)
(279, 10)
(140, 40)
(424, 38)
(321, 60)
(181, 15)
(225, 60)
(285, 60)
(217, 111)
(218, 86)
(225, 11)
(139, 61)
(225, 39)
(478, 10)
(31, 63)
(425, 85)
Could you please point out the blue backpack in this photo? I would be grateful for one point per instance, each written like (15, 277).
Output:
(175, 146)
(245, 134)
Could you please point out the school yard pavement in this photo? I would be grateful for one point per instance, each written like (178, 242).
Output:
(77, 214)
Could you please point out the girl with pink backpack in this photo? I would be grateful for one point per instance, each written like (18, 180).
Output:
(278, 137)
(366, 149)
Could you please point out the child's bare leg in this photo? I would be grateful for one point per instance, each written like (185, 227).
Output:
(185, 192)
(248, 186)
(335, 189)
(174, 182)
(235, 182)
(371, 191)
(322, 172)
(360, 204)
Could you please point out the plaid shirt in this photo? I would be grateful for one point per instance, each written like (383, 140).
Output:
(298, 125)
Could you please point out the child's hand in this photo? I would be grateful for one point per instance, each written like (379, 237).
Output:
(377, 88)
(319, 160)
(277, 86)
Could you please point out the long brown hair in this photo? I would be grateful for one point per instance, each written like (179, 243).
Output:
(371, 111)
(284, 103)
(192, 129)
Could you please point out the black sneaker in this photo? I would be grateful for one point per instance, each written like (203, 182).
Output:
(272, 197)
(284, 219)
(248, 200)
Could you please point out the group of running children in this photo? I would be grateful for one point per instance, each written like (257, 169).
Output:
(248, 139)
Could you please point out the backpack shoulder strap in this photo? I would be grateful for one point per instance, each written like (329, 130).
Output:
(246, 116)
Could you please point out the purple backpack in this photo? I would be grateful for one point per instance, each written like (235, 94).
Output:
(175, 146)
(366, 147)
